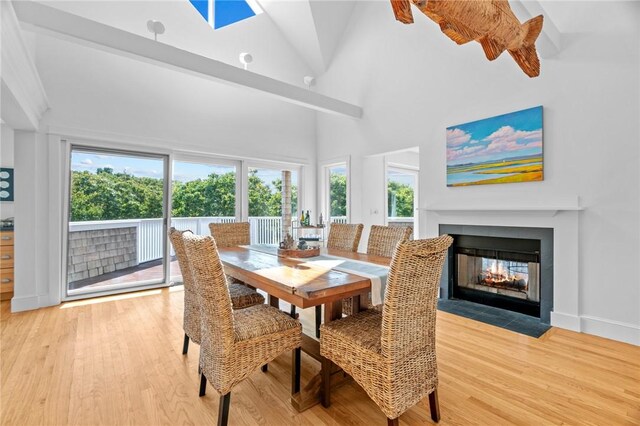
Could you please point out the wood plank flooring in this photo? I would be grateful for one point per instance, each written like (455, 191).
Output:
(117, 360)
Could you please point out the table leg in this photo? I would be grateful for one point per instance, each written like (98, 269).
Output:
(313, 392)
(356, 305)
(274, 301)
(332, 311)
(318, 320)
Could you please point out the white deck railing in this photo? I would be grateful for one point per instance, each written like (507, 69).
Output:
(264, 230)
(150, 235)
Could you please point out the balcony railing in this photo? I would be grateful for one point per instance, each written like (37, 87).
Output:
(150, 235)
(99, 247)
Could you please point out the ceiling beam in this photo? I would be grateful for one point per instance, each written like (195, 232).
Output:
(60, 24)
(24, 100)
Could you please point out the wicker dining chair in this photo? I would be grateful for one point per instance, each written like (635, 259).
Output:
(241, 296)
(382, 241)
(391, 353)
(344, 236)
(229, 235)
(341, 237)
(235, 343)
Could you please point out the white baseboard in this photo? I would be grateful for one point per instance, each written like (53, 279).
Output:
(28, 303)
(615, 330)
(47, 300)
(610, 329)
(566, 321)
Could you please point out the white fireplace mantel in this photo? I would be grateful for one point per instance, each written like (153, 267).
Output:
(514, 207)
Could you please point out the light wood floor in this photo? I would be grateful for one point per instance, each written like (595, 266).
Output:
(118, 361)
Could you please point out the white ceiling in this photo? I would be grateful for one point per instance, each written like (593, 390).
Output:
(310, 29)
(313, 27)
(185, 29)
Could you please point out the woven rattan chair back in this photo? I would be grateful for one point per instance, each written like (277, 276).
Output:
(216, 313)
(409, 309)
(344, 236)
(231, 234)
(191, 321)
(383, 239)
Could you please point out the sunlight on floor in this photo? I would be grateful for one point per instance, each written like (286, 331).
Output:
(104, 299)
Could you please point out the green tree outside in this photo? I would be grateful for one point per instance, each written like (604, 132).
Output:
(106, 195)
(400, 199)
(338, 195)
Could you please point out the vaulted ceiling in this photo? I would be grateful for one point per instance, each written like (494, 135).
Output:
(313, 27)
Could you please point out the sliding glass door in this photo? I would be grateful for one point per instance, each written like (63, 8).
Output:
(203, 192)
(117, 220)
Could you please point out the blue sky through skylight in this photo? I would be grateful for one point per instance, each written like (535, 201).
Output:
(220, 13)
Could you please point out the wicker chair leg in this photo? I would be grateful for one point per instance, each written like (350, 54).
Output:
(203, 385)
(318, 320)
(393, 422)
(185, 344)
(434, 406)
(326, 382)
(295, 371)
(223, 409)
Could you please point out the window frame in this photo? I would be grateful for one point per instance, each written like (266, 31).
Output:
(325, 190)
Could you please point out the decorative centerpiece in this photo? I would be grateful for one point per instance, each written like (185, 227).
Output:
(288, 248)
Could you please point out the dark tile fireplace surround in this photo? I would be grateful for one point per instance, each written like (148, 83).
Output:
(500, 273)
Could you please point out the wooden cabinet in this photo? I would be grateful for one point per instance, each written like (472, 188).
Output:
(6, 265)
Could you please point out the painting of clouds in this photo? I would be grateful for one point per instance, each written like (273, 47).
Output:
(502, 149)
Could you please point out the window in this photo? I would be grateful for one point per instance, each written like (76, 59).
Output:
(203, 190)
(265, 203)
(117, 220)
(402, 194)
(202, 193)
(336, 192)
(220, 13)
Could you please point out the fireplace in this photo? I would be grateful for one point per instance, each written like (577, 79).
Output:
(505, 267)
(501, 272)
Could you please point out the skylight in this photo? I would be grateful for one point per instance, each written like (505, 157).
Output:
(220, 13)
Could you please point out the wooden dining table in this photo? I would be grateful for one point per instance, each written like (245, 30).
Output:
(303, 283)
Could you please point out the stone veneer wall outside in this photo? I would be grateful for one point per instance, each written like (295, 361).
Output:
(101, 251)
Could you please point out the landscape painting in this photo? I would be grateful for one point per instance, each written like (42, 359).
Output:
(502, 149)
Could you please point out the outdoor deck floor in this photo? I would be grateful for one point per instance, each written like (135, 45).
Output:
(141, 273)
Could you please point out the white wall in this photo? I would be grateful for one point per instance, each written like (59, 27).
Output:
(6, 160)
(413, 82)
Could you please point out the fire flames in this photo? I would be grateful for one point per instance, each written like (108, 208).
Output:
(498, 275)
